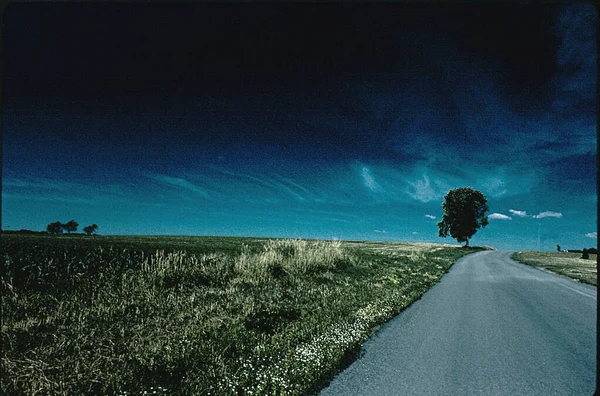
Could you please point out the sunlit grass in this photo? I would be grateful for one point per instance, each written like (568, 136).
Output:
(564, 263)
(198, 316)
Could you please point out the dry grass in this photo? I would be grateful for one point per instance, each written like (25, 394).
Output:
(568, 264)
(183, 316)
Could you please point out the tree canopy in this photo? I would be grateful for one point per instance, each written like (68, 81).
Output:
(90, 229)
(464, 213)
(71, 226)
(55, 228)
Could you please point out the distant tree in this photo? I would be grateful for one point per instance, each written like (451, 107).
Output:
(585, 254)
(464, 213)
(558, 248)
(71, 226)
(90, 229)
(55, 228)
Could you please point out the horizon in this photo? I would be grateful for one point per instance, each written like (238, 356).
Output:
(441, 242)
(293, 120)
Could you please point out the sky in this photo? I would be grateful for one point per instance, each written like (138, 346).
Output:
(301, 120)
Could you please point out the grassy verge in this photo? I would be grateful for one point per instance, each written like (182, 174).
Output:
(134, 315)
(568, 264)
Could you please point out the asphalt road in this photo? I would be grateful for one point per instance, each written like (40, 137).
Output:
(491, 326)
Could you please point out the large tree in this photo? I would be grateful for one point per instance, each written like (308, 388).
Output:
(464, 213)
(71, 226)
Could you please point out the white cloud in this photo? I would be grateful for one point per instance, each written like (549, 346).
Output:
(430, 216)
(495, 186)
(368, 179)
(499, 216)
(547, 214)
(520, 213)
(179, 182)
(592, 235)
(380, 231)
(422, 190)
(415, 233)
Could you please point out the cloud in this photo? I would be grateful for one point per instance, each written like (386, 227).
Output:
(547, 214)
(421, 190)
(42, 189)
(430, 216)
(592, 235)
(49, 198)
(46, 184)
(520, 213)
(179, 182)
(499, 216)
(368, 180)
(380, 231)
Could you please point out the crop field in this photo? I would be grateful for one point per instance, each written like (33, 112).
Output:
(568, 264)
(198, 315)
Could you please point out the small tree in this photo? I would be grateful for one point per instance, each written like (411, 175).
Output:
(91, 229)
(55, 228)
(71, 226)
(464, 213)
(585, 254)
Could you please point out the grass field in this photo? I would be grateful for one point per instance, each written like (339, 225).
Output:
(568, 264)
(195, 315)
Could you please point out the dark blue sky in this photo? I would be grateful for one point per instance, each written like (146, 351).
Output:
(346, 121)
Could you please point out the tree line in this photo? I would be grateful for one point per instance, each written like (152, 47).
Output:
(71, 226)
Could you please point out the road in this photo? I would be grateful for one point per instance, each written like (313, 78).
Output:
(491, 326)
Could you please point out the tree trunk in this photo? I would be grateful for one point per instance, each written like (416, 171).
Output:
(467, 244)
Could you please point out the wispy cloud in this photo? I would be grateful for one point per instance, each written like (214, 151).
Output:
(499, 216)
(422, 190)
(180, 182)
(46, 184)
(520, 213)
(42, 189)
(547, 214)
(297, 190)
(48, 198)
(368, 180)
(380, 231)
(430, 216)
(243, 176)
(495, 186)
(592, 235)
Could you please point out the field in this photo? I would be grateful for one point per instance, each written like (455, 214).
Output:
(198, 315)
(568, 264)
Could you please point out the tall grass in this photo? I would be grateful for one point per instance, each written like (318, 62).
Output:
(273, 317)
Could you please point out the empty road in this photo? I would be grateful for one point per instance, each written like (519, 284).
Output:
(491, 326)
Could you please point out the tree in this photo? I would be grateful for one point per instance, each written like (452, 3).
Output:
(55, 228)
(90, 229)
(585, 254)
(71, 226)
(464, 213)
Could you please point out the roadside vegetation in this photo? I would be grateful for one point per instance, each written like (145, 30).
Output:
(563, 263)
(179, 315)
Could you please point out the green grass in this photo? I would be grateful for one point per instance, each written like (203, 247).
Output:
(563, 263)
(198, 315)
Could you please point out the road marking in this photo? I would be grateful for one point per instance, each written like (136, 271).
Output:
(591, 294)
